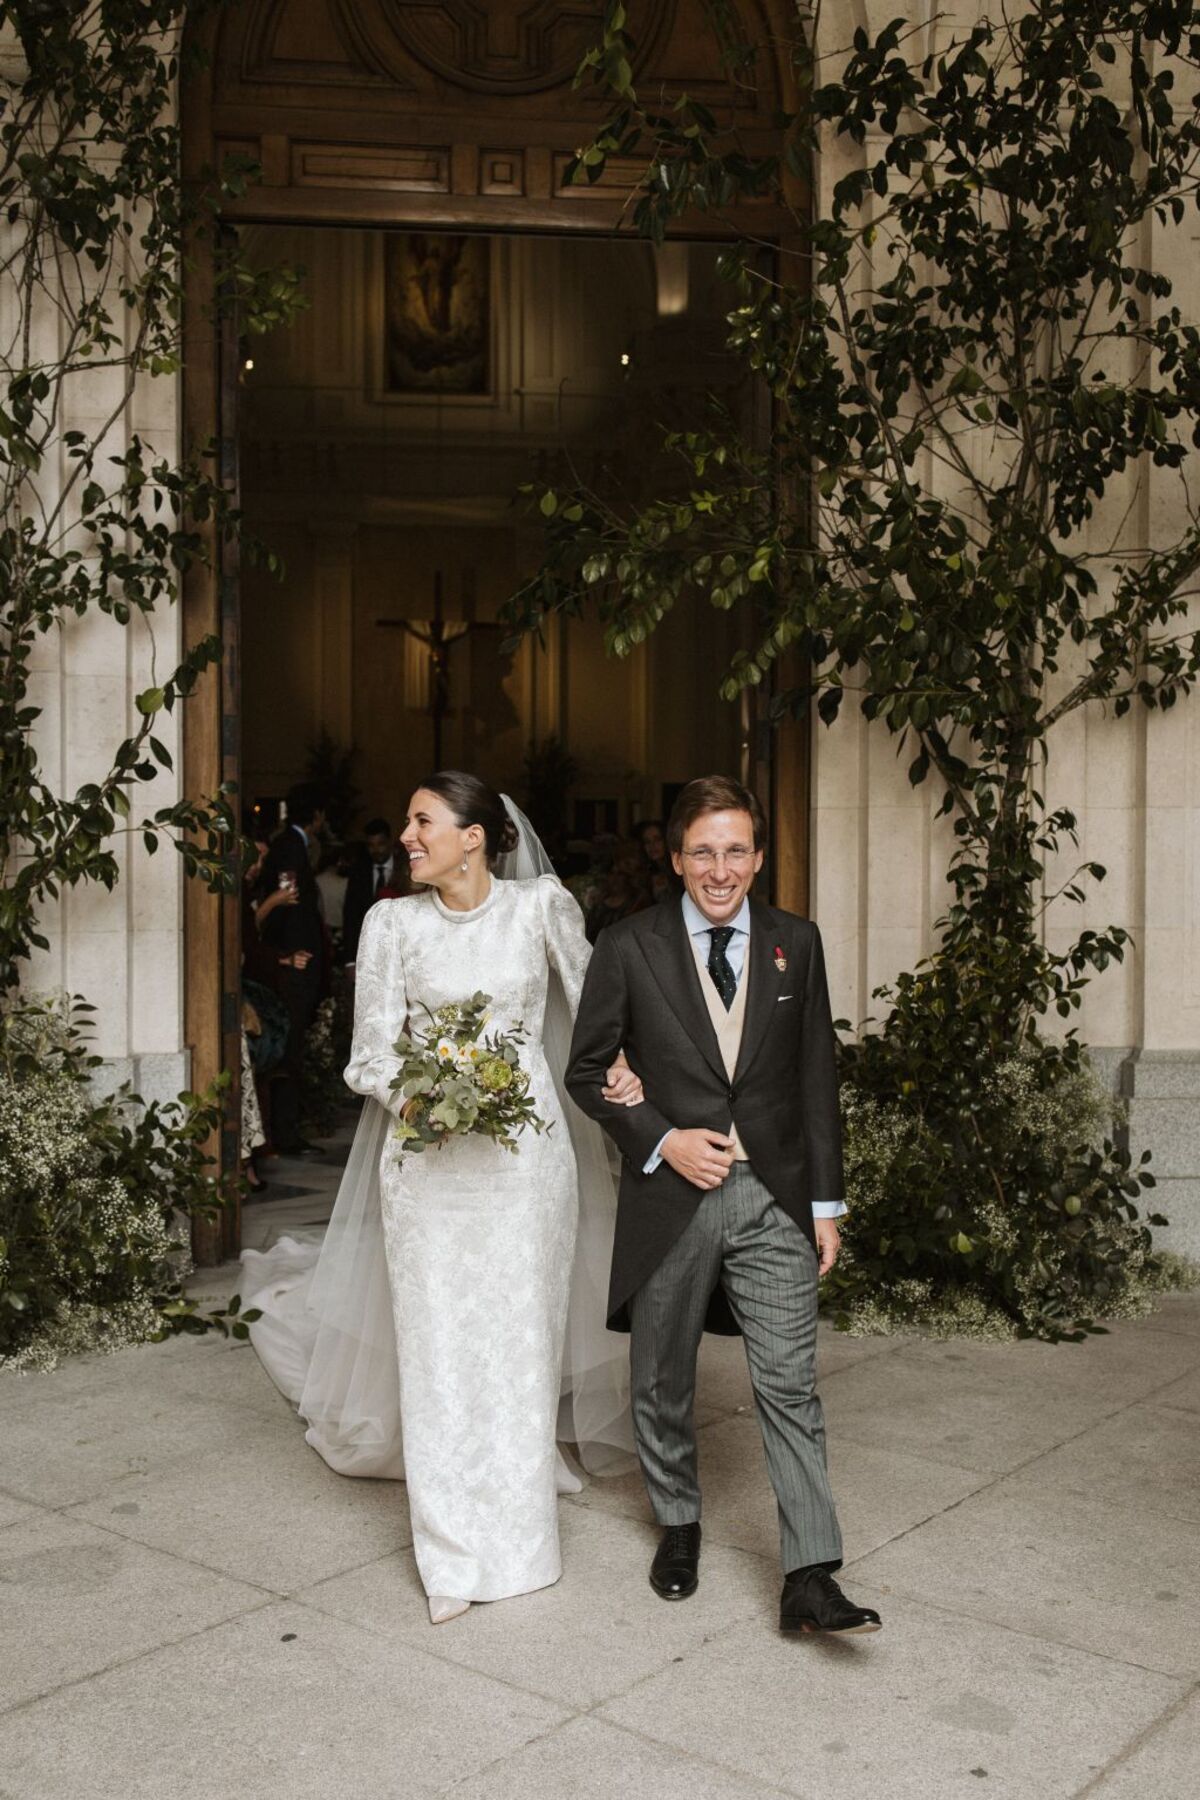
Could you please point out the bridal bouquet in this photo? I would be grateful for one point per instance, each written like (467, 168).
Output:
(455, 1081)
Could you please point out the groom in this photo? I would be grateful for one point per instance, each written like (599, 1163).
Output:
(731, 1182)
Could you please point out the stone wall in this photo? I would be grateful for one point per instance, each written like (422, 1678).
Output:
(1134, 785)
(122, 951)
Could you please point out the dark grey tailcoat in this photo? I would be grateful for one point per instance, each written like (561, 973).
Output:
(643, 992)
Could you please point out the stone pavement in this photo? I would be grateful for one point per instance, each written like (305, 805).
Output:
(193, 1604)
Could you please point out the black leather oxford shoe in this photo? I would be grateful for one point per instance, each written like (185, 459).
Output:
(813, 1601)
(674, 1573)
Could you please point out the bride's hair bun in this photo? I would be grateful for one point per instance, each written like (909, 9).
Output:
(473, 802)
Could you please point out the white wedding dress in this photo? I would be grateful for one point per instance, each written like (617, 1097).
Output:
(427, 1342)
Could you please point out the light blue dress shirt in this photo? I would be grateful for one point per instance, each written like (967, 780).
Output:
(700, 931)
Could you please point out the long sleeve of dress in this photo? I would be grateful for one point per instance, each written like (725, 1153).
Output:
(567, 948)
(380, 1005)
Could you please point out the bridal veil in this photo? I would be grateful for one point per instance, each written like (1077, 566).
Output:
(327, 1337)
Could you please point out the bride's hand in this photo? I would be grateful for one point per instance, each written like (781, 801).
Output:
(624, 1087)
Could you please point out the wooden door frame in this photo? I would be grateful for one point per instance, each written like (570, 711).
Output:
(367, 166)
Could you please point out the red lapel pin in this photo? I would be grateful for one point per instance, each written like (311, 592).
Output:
(780, 958)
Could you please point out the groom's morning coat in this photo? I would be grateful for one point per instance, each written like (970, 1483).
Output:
(643, 993)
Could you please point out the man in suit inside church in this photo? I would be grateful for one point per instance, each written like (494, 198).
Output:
(296, 933)
(381, 869)
(731, 1181)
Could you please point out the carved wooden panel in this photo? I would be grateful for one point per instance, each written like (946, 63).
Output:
(323, 52)
(409, 171)
(310, 43)
(504, 46)
(350, 105)
(619, 175)
(502, 172)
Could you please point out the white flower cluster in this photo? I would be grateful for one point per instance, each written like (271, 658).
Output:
(1078, 1109)
(79, 1327)
(42, 1138)
(886, 1140)
(101, 1244)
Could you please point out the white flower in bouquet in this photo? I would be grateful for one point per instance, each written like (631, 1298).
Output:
(453, 1081)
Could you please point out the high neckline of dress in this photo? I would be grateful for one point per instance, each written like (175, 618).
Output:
(464, 918)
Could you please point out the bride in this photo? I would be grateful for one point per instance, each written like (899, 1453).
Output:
(427, 1338)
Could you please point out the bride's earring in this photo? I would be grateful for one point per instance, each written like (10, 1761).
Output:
(464, 862)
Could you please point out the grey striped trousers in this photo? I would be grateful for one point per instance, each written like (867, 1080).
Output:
(768, 1269)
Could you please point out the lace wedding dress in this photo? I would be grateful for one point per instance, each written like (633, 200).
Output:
(428, 1341)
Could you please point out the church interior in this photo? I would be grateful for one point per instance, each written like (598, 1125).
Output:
(384, 441)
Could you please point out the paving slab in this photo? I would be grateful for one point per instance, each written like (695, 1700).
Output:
(12, 1512)
(1166, 1764)
(1071, 1568)
(840, 1350)
(879, 1493)
(145, 1373)
(268, 1511)
(588, 1759)
(978, 1413)
(76, 1445)
(596, 1632)
(285, 1704)
(237, 1379)
(1117, 1366)
(151, 1375)
(1146, 1458)
(1174, 1312)
(926, 1710)
(1184, 1393)
(77, 1600)
(98, 1371)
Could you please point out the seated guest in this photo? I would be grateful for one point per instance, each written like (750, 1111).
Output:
(379, 872)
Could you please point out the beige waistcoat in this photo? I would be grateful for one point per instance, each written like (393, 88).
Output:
(727, 1025)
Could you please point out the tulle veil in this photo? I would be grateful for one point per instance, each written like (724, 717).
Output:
(326, 1334)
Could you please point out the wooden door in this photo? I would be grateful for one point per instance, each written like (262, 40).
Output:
(452, 116)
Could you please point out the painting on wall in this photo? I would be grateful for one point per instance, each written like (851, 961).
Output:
(437, 306)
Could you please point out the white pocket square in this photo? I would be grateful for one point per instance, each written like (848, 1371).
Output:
(780, 998)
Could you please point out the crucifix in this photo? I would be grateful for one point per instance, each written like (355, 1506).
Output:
(437, 635)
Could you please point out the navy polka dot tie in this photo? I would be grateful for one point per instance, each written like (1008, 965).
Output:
(719, 967)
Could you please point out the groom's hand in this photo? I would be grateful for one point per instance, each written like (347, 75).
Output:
(829, 1240)
(702, 1157)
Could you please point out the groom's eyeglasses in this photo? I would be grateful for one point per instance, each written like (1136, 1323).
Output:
(704, 858)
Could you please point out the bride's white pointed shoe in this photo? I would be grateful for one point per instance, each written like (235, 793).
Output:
(567, 1478)
(441, 1608)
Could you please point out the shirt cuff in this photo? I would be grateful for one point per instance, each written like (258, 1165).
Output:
(829, 1209)
(655, 1157)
